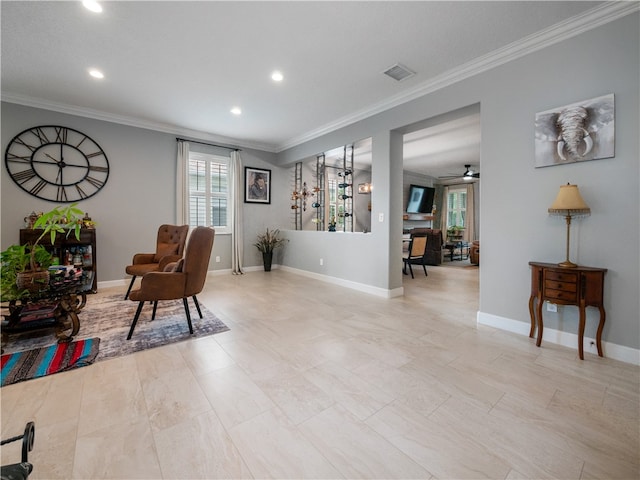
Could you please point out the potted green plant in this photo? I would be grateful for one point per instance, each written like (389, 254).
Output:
(28, 264)
(267, 243)
(454, 232)
(15, 260)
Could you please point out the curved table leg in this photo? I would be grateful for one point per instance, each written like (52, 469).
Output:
(540, 323)
(67, 316)
(603, 317)
(581, 331)
(532, 314)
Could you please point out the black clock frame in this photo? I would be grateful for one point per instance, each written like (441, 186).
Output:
(30, 152)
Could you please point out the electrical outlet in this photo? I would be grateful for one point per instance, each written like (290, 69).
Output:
(321, 262)
(552, 307)
(217, 259)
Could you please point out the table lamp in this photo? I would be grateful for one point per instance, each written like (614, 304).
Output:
(569, 204)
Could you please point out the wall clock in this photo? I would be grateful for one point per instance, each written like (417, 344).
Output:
(58, 164)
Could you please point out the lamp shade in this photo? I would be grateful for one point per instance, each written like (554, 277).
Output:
(569, 202)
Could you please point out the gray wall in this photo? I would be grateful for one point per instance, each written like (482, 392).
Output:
(514, 196)
(139, 195)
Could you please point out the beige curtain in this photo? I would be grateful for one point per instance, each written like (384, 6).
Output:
(469, 231)
(470, 221)
(237, 237)
(182, 186)
(444, 213)
(439, 203)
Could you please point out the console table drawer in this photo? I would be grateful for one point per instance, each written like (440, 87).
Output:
(561, 276)
(565, 286)
(551, 294)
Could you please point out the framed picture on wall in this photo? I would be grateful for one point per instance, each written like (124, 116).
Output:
(257, 185)
(576, 133)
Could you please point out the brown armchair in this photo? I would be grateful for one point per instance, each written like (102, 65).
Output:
(474, 253)
(169, 248)
(182, 279)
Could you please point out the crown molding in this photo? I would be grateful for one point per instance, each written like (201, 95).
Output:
(559, 32)
(132, 121)
(597, 16)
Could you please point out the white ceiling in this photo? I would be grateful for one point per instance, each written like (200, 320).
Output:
(442, 150)
(180, 66)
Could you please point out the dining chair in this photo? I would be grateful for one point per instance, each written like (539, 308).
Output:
(416, 252)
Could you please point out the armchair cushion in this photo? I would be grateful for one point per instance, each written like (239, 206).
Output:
(166, 260)
(174, 266)
(164, 249)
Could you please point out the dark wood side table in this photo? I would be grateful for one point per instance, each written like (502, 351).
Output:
(57, 307)
(63, 242)
(580, 286)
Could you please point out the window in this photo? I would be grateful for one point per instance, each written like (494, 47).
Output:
(333, 197)
(209, 196)
(336, 208)
(457, 207)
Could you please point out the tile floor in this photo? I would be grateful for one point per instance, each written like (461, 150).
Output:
(318, 381)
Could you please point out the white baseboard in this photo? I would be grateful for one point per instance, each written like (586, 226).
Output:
(114, 283)
(380, 292)
(259, 268)
(566, 339)
(361, 287)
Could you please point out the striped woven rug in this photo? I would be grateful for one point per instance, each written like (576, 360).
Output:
(39, 362)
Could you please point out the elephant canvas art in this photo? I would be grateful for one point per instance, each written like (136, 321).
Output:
(576, 133)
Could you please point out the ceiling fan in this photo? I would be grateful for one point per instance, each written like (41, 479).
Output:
(469, 174)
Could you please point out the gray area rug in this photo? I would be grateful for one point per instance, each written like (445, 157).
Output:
(109, 318)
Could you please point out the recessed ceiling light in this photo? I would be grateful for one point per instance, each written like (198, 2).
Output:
(95, 73)
(277, 76)
(92, 5)
(236, 110)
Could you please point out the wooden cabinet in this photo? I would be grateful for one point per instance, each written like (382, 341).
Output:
(85, 247)
(580, 286)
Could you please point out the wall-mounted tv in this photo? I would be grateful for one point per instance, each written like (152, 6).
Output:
(420, 199)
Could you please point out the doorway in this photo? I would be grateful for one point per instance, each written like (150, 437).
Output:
(443, 152)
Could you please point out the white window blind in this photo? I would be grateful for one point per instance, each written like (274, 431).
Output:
(209, 199)
(457, 207)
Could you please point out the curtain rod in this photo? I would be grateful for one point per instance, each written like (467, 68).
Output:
(205, 143)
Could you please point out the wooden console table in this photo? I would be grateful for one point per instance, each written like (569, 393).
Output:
(580, 286)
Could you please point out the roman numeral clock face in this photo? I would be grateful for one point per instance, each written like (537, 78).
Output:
(58, 164)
